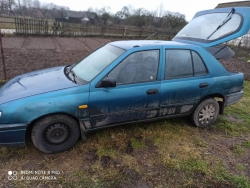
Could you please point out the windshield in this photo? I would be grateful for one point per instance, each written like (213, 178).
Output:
(200, 28)
(93, 64)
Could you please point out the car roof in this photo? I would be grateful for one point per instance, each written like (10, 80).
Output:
(143, 43)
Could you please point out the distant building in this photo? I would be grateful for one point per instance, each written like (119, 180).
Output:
(80, 17)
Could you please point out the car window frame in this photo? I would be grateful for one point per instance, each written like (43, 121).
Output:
(190, 52)
(158, 66)
(202, 62)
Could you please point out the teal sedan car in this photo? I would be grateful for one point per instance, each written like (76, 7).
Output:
(125, 82)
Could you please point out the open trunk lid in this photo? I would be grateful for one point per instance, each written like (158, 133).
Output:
(211, 28)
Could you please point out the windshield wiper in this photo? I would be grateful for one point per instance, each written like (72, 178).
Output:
(73, 75)
(229, 16)
(70, 73)
(67, 69)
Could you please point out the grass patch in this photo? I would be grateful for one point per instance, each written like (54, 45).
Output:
(190, 165)
(168, 153)
(107, 152)
(223, 175)
(241, 109)
(246, 144)
(236, 119)
(240, 167)
(199, 142)
(238, 150)
(81, 178)
(247, 89)
(231, 128)
(137, 143)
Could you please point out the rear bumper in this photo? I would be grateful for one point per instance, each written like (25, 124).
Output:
(12, 134)
(233, 98)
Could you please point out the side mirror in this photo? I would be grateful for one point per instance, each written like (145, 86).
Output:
(108, 82)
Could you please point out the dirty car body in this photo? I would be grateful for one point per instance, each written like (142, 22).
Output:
(125, 82)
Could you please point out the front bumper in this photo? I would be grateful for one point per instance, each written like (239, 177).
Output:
(13, 134)
(233, 98)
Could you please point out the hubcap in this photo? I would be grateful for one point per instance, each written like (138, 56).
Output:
(206, 114)
(57, 133)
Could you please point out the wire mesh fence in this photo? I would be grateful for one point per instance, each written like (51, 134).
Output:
(241, 47)
(25, 54)
(26, 46)
(243, 41)
(31, 44)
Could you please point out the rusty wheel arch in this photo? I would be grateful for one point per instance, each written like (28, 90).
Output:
(218, 97)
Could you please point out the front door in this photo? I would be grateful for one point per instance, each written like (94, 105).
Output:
(136, 95)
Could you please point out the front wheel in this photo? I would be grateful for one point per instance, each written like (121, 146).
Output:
(206, 113)
(55, 133)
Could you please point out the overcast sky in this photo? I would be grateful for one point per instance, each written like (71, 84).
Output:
(186, 7)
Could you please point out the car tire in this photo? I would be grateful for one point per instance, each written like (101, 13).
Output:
(205, 113)
(55, 133)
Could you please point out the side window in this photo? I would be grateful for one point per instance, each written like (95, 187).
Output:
(138, 67)
(178, 64)
(199, 67)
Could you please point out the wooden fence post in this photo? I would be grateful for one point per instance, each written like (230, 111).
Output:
(124, 32)
(1, 46)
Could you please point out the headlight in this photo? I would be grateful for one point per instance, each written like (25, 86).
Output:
(0, 113)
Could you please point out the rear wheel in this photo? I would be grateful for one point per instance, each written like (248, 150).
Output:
(206, 113)
(55, 133)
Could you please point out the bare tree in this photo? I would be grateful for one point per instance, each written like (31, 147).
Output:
(141, 17)
(36, 4)
(124, 13)
(10, 5)
(105, 14)
(27, 7)
(2, 6)
(44, 9)
(174, 20)
(41, 9)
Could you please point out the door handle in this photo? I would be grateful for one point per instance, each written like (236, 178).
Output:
(202, 85)
(152, 91)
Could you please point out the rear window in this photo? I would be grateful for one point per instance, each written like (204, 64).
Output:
(205, 27)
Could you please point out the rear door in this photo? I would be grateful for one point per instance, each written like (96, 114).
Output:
(186, 80)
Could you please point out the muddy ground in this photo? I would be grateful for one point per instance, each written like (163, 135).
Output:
(25, 54)
(237, 65)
